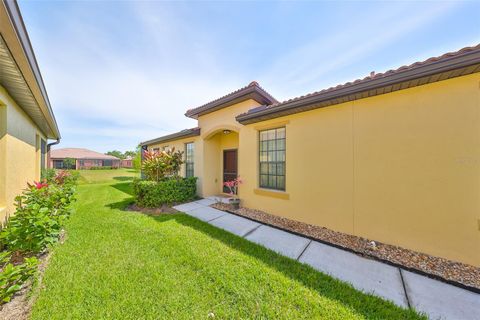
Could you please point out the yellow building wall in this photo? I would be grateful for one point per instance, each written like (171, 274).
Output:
(3, 159)
(213, 141)
(401, 168)
(224, 118)
(20, 152)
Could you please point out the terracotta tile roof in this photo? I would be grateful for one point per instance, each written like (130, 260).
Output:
(448, 61)
(174, 136)
(79, 153)
(253, 90)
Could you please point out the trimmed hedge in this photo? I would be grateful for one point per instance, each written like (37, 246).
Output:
(153, 194)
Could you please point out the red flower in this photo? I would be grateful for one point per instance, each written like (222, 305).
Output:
(40, 185)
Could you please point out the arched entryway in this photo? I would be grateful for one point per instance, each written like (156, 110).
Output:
(220, 149)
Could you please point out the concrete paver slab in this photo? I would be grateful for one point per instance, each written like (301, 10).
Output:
(436, 299)
(188, 206)
(206, 213)
(235, 224)
(440, 300)
(219, 199)
(364, 274)
(206, 202)
(285, 243)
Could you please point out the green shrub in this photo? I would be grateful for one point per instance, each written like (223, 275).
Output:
(69, 163)
(102, 168)
(40, 213)
(48, 174)
(158, 165)
(168, 191)
(13, 276)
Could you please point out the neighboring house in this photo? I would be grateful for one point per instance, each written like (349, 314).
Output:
(126, 163)
(26, 117)
(393, 157)
(84, 159)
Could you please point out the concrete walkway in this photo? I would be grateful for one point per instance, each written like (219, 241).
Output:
(435, 298)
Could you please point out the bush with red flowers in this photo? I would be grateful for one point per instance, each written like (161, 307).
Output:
(41, 211)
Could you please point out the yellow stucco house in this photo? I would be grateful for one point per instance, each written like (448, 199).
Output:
(393, 157)
(26, 117)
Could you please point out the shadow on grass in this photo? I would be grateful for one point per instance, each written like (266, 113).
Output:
(369, 306)
(123, 178)
(125, 187)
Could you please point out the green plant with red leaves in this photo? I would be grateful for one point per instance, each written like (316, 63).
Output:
(158, 165)
(232, 185)
(41, 211)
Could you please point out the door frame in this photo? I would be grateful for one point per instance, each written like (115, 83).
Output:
(223, 165)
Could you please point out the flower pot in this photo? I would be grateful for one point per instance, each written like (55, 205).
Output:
(235, 203)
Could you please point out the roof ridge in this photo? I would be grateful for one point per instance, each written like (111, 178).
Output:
(252, 84)
(374, 75)
(179, 134)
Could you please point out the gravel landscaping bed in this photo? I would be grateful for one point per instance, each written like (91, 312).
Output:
(461, 273)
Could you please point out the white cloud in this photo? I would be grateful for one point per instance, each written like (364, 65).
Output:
(115, 81)
(127, 89)
(363, 35)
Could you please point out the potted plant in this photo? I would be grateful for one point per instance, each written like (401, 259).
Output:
(233, 187)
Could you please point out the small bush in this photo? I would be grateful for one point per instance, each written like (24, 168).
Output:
(159, 165)
(48, 174)
(100, 168)
(40, 213)
(12, 276)
(169, 191)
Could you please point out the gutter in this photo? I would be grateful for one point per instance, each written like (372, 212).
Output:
(312, 101)
(13, 11)
(187, 133)
(52, 144)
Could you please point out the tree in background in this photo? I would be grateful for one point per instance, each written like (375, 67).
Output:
(116, 153)
(137, 158)
(131, 154)
(69, 163)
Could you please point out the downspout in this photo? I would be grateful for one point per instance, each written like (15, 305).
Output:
(48, 151)
(143, 148)
(52, 144)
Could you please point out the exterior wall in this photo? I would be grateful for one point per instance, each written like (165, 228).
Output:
(20, 153)
(401, 168)
(85, 163)
(126, 163)
(213, 142)
(90, 163)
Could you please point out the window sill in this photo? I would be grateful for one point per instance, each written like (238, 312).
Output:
(272, 193)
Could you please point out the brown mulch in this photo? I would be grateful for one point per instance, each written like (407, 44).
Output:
(449, 270)
(152, 211)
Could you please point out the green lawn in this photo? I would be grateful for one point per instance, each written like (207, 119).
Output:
(125, 265)
(107, 175)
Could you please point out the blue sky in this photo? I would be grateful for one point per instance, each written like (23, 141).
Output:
(119, 73)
